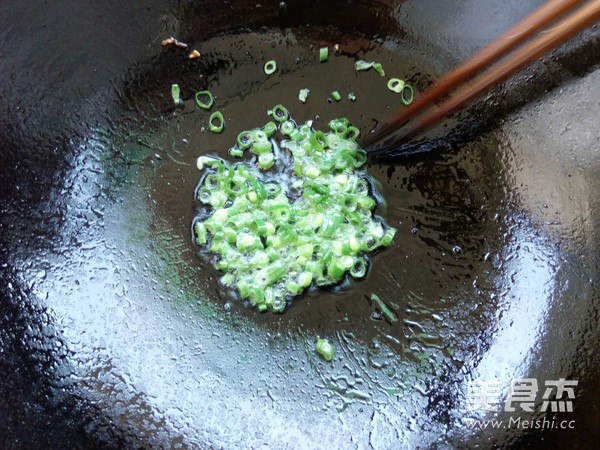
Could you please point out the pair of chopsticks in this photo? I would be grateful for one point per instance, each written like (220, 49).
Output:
(424, 113)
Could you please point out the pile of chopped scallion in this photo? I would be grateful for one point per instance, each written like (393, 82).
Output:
(275, 237)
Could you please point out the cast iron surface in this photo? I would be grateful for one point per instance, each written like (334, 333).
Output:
(113, 330)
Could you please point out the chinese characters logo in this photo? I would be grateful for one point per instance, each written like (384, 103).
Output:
(523, 393)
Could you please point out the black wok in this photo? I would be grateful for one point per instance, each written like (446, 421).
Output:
(113, 330)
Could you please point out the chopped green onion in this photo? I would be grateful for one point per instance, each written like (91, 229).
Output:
(220, 125)
(236, 152)
(352, 133)
(336, 96)
(384, 308)
(208, 103)
(270, 128)
(245, 139)
(366, 65)
(325, 349)
(323, 54)
(377, 67)
(362, 65)
(395, 85)
(176, 94)
(260, 136)
(201, 235)
(359, 268)
(258, 148)
(287, 127)
(280, 113)
(352, 97)
(273, 242)
(388, 237)
(266, 160)
(407, 100)
(303, 95)
(270, 67)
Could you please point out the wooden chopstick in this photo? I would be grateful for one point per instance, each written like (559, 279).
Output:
(582, 18)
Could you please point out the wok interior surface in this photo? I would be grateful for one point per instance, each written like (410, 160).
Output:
(114, 330)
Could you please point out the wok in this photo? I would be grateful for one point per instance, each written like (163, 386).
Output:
(113, 330)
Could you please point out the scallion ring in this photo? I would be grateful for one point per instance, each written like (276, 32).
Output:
(204, 104)
(270, 128)
(270, 67)
(280, 113)
(411, 94)
(245, 139)
(287, 127)
(220, 122)
(395, 85)
(352, 133)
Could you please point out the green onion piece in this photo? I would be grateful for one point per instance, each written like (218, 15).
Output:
(278, 305)
(275, 271)
(384, 308)
(176, 94)
(266, 160)
(352, 133)
(352, 97)
(260, 136)
(272, 189)
(325, 349)
(220, 122)
(260, 227)
(293, 287)
(407, 100)
(331, 224)
(280, 113)
(303, 95)
(388, 237)
(258, 148)
(245, 139)
(323, 54)
(243, 289)
(204, 195)
(318, 140)
(395, 85)
(287, 127)
(304, 279)
(366, 65)
(362, 65)
(201, 234)
(228, 279)
(377, 67)
(246, 242)
(335, 269)
(339, 126)
(312, 172)
(211, 182)
(336, 96)
(270, 67)
(257, 296)
(360, 158)
(270, 128)
(359, 269)
(208, 103)
(259, 188)
(236, 152)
